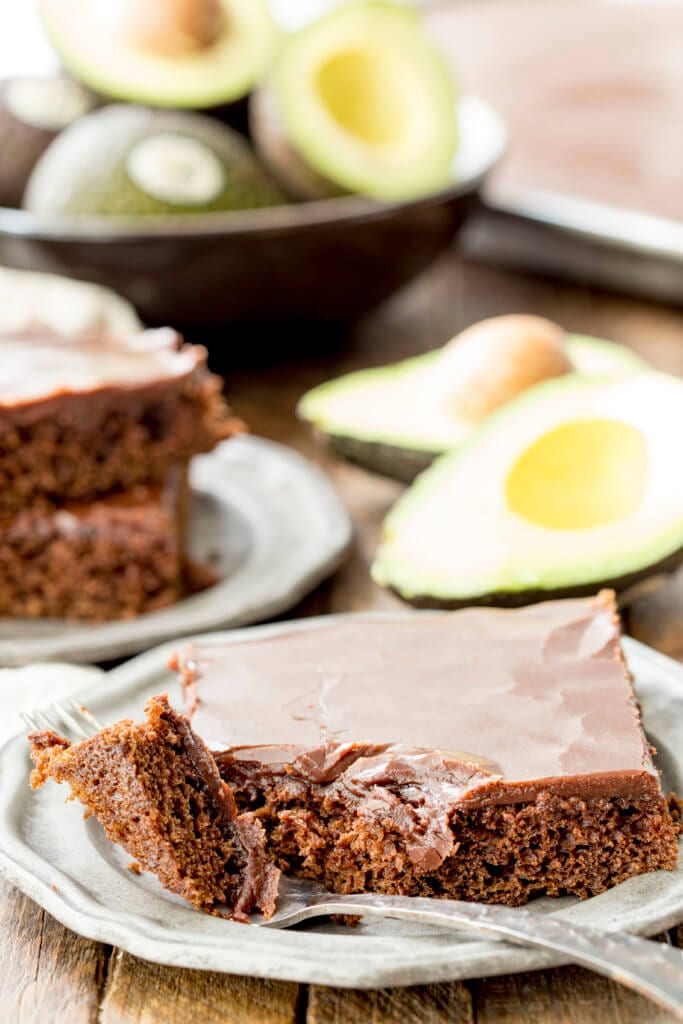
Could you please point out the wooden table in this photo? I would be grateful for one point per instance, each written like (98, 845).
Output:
(51, 976)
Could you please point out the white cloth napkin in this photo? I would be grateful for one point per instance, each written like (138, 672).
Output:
(38, 686)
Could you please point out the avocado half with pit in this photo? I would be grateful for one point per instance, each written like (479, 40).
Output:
(127, 162)
(573, 486)
(388, 420)
(167, 53)
(360, 101)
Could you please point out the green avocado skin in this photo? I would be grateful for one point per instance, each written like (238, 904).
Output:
(520, 598)
(400, 464)
(83, 172)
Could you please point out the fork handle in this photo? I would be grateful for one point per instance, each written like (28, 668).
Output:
(653, 969)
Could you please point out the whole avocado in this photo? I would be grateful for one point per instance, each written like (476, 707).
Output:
(129, 161)
(33, 110)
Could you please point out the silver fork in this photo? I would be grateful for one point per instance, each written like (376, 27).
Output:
(654, 969)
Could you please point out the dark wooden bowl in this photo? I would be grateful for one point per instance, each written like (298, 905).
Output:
(327, 260)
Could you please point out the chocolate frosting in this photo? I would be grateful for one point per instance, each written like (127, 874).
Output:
(475, 705)
(41, 366)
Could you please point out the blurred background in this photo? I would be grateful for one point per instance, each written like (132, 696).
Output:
(567, 161)
(341, 188)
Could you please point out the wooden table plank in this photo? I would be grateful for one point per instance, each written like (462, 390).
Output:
(47, 974)
(138, 992)
(566, 995)
(656, 618)
(448, 1003)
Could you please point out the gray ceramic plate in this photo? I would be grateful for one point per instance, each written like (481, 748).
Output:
(267, 520)
(70, 869)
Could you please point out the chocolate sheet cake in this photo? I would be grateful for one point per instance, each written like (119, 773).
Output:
(155, 789)
(80, 417)
(483, 754)
(95, 436)
(114, 557)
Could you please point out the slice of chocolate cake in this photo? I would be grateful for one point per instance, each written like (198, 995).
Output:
(112, 558)
(483, 754)
(156, 790)
(83, 416)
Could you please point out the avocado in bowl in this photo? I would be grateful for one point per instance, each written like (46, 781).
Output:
(202, 260)
(131, 162)
(327, 260)
(184, 54)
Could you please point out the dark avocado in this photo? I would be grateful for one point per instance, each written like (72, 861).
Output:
(33, 111)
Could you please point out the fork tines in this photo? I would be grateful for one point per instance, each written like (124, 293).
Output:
(70, 715)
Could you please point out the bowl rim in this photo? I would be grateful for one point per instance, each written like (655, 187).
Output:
(266, 220)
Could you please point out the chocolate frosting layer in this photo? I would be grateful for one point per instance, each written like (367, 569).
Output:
(43, 366)
(475, 705)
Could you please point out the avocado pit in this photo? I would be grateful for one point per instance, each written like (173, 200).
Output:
(172, 28)
(490, 363)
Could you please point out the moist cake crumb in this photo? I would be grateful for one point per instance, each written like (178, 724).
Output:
(155, 789)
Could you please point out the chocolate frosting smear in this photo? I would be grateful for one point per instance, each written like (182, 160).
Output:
(40, 366)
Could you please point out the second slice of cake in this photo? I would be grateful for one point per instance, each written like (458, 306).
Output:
(96, 433)
(111, 558)
(81, 417)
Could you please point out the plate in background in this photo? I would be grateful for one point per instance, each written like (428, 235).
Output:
(66, 865)
(592, 92)
(264, 518)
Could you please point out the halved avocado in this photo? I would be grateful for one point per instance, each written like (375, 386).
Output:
(175, 53)
(573, 486)
(127, 161)
(386, 419)
(360, 101)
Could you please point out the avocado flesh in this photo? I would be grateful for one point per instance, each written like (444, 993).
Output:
(572, 486)
(127, 161)
(360, 101)
(210, 76)
(385, 420)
